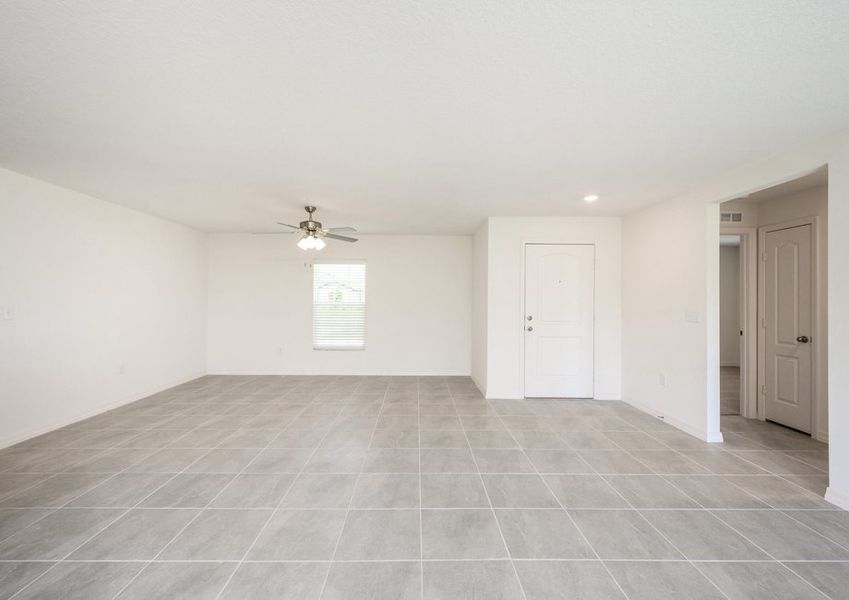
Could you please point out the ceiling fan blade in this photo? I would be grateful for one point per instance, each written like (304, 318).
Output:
(341, 229)
(272, 232)
(342, 238)
(287, 225)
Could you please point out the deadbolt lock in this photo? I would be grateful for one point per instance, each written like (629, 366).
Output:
(530, 317)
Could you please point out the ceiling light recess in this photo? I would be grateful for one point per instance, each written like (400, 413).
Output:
(590, 198)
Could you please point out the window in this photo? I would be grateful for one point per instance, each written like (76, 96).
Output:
(339, 306)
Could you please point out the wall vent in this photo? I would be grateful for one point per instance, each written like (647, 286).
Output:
(731, 217)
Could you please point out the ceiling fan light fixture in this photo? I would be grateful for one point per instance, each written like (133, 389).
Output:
(311, 242)
(313, 234)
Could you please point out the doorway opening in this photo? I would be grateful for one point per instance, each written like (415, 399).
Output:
(773, 270)
(730, 324)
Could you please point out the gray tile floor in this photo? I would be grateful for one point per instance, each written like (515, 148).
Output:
(369, 488)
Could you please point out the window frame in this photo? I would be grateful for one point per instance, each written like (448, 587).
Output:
(360, 348)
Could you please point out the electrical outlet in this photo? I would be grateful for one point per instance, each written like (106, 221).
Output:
(8, 314)
(661, 379)
(122, 369)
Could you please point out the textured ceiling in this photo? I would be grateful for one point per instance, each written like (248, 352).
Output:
(402, 116)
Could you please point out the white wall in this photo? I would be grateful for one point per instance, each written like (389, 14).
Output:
(418, 298)
(505, 329)
(729, 306)
(838, 325)
(666, 310)
(688, 227)
(480, 297)
(91, 286)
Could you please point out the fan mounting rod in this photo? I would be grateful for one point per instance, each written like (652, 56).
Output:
(309, 224)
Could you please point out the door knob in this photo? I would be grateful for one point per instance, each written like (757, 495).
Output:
(530, 328)
(530, 317)
(803, 339)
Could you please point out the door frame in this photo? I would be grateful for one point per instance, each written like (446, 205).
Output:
(523, 312)
(748, 317)
(816, 387)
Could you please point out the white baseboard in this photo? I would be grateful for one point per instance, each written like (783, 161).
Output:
(346, 374)
(53, 425)
(839, 499)
(713, 437)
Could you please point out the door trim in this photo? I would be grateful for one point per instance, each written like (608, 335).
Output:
(748, 318)
(520, 319)
(816, 387)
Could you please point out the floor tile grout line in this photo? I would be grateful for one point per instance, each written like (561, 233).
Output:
(782, 477)
(351, 499)
(67, 471)
(715, 516)
(736, 452)
(740, 453)
(659, 532)
(123, 513)
(784, 511)
(437, 560)
(721, 520)
(725, 477)
(109, 524)
(769, 554)
(566, 512)
(201, 510)
(277, 508)
(491, 507)
(772, 508)
(186, 408)
(437, 508)
(765, 472)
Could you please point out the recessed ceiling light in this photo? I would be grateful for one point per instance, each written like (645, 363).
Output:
(590, 198)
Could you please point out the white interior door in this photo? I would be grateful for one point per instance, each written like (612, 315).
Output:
(788, 323)
(559, 281)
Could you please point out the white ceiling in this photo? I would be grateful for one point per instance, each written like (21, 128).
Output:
(409, 116)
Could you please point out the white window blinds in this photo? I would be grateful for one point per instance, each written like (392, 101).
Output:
(339, 306)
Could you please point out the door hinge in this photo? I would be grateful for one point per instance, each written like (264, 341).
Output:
(763, 257)
(763, 390)
(763, 322)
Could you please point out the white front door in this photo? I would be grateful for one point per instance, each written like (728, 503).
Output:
(558, 324)
(788, 297)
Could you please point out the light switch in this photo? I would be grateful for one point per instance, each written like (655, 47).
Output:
(691, 316)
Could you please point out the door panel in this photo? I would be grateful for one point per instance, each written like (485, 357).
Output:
(788, 304)
(559, 281)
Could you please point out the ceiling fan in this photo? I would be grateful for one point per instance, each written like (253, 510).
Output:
(312, 233)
